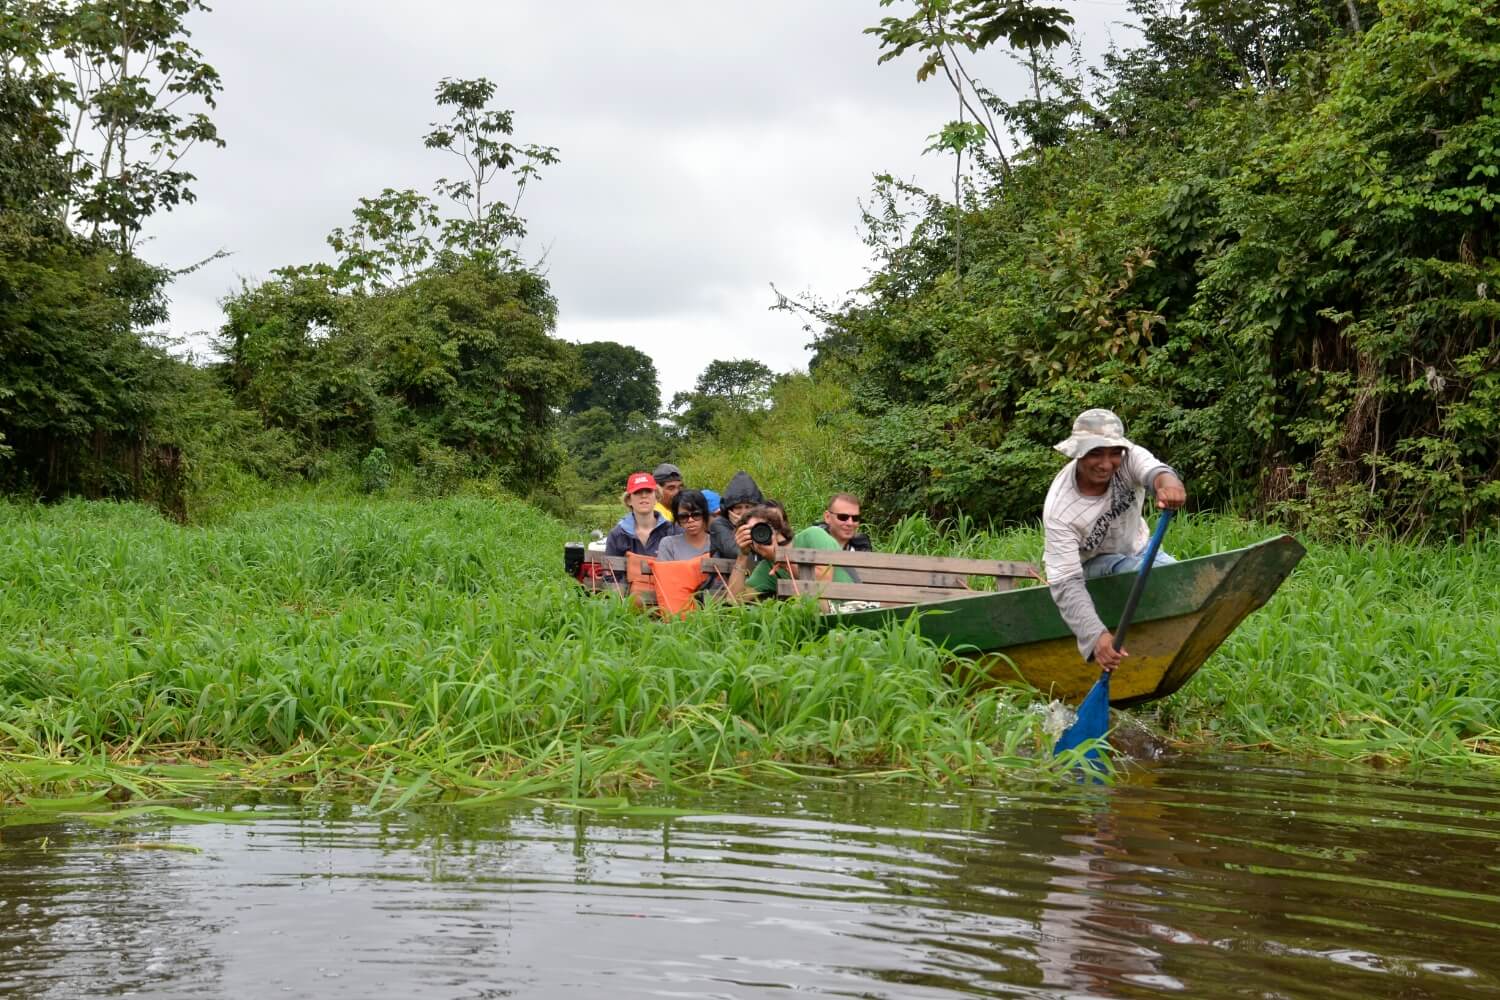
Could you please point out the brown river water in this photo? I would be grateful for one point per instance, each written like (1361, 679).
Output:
(1203, 877)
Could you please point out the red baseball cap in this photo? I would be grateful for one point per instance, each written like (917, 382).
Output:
(640, 481)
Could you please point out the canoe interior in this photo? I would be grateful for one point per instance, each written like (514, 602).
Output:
(1187, 611)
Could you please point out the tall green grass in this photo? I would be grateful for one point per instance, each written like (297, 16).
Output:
(437, 647)
(1374, 650)
(800, 452)
(404, 649)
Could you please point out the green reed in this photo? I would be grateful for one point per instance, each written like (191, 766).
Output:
(402, 650)
(411, 649)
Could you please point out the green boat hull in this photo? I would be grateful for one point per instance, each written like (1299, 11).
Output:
(1188, 609)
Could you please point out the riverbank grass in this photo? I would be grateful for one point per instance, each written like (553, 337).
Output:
(399, 651)
(403, 650)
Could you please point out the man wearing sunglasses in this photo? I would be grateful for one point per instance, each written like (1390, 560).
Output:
(841, 518)
(839, 529)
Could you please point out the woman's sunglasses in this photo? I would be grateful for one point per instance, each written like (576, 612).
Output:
(690, 515)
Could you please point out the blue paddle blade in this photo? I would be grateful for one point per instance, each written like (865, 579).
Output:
(1092, 722)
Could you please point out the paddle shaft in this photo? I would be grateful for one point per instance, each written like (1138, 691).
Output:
(1093, 713)
(1139, 587)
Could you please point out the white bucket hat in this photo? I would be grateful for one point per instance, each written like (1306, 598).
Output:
(1094, 429)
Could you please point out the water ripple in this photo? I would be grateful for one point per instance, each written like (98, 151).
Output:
(1227, 877)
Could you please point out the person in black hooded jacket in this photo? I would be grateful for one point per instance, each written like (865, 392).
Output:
(738, 497)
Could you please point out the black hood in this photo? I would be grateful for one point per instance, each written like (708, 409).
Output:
(741, 489)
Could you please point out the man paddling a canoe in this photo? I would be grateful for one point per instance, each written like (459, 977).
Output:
(1093, 523)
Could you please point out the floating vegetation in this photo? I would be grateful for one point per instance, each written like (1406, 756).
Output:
(398, 652)
(403, 652)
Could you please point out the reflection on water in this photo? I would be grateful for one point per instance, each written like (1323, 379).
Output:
(1224, 877)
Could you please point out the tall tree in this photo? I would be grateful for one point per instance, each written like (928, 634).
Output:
(621, 381)
(743, 384)
(428, 337)
(80, 392)
(725, 390)
(939, 29)
(398, 234)
(479, 136)
(134, 95)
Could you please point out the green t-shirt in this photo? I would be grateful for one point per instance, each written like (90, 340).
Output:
(815, 537)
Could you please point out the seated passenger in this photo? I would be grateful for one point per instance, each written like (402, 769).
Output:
(669, 480)
(841, 521)
(751, 578)
(690, 514)
(760, 580)
(642, 529)
(738, 497)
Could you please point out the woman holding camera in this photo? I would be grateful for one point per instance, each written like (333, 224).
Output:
(758, 534)
(760, 581)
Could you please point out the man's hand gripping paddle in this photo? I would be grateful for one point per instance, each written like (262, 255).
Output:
(1093, 714)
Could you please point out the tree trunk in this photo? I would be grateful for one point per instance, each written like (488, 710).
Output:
(958, 214)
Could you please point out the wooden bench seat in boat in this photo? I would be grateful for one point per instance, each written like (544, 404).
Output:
(885, 577)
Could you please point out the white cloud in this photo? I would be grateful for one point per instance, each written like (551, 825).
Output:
(707, 151)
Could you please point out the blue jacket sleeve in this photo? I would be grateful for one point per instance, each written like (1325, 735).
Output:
(617, 542)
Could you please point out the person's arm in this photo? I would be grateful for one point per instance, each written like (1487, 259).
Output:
(739, 578)
(615, 543)
(737, 586)
(1151, 472)
(1065, 580)
(1170, 493)
(825, 574)
(1077, 610)
(723, 544)
(817, 537)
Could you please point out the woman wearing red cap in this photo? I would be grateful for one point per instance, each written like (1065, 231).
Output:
(642, 528)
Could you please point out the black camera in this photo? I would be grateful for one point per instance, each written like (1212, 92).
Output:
(761, 533)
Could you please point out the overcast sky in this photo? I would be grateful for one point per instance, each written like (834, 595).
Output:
(707, 150)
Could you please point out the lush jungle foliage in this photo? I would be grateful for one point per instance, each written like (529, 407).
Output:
(87, 152)
(437, 647)
(619, 426)
(427, 337)
(1269, 241)
(1267, 235)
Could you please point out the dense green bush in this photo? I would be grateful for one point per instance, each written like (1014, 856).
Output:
(1284, 285)
(798, 451)
(375, 471)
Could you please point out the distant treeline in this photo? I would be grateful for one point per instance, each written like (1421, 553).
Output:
(1267, 236)
(422, 354)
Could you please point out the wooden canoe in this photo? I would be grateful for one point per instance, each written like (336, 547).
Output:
(1188, 609)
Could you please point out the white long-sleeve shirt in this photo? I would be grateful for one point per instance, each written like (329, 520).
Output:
(1079, 527)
